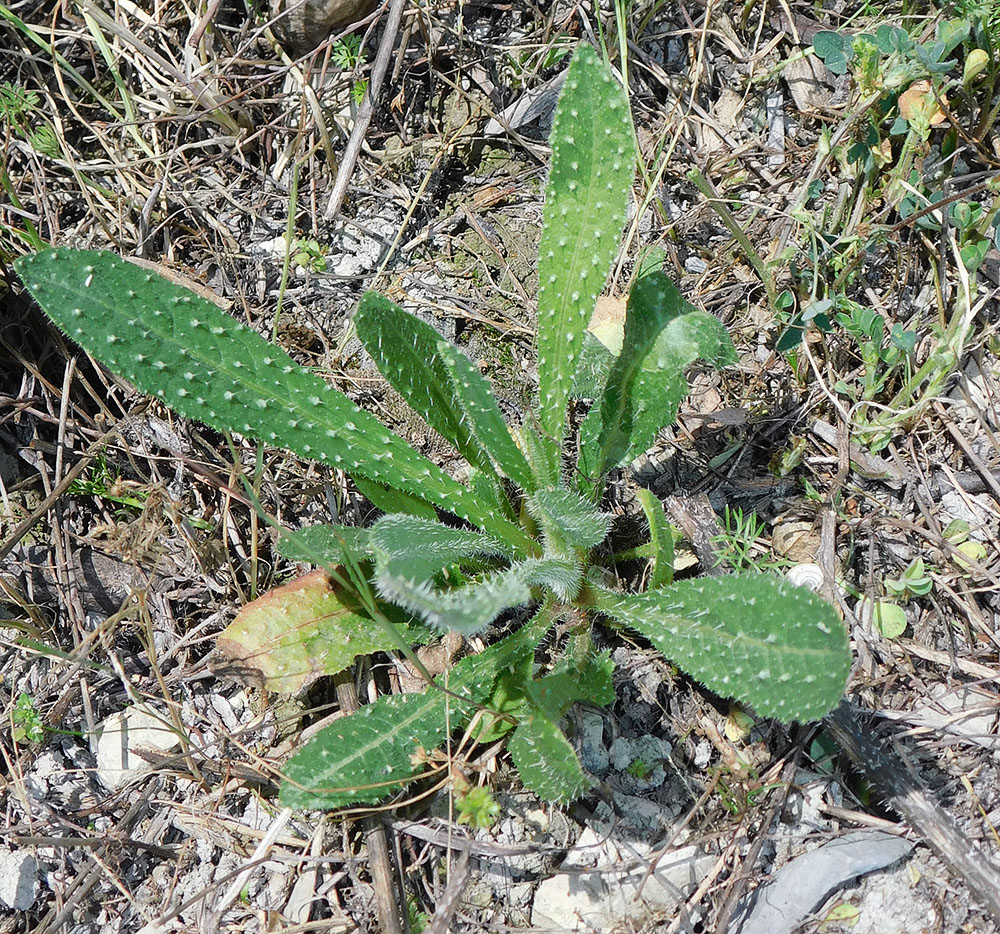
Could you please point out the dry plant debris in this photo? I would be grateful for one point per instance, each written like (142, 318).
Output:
(852, 257)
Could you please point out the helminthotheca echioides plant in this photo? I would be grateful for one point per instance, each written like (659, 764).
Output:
(524, 531)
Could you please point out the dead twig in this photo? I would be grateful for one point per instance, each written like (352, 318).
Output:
(365, 111)
(387, 900)
(907, 796)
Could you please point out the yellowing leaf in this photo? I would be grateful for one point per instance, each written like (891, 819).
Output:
(975, 62)
(298, 632)
(607, 323)
(842, 913)
(738, 725)
(974, 551)
(918, 103)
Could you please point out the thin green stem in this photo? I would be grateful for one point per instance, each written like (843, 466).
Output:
(717, 204)
(293, 200)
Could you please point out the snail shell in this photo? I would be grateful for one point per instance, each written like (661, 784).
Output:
(304, 24)
(806, 575)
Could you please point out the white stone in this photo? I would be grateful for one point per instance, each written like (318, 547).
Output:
(607, 897)
(122, 734)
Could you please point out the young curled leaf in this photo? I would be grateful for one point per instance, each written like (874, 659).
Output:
(567, 520)
(471, 608)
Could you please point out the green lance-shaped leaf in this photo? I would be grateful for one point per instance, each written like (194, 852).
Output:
(405, 349)
(390, 500)
(596, 679)
(660, 537)
(185, 351)
(592, 369)
(544, 456)
(777, 647)
(482, 416)
(488, 488)
(439, 384)
(593, 162)
(547, 763)
(471, 608)
(329, 544)
(567, 520)
(374, 752)
(663, 335)
(302, 630)
(414, 548)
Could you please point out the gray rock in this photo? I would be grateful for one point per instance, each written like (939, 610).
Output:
(640, 760)
(18, 879)
(802, 885)
(593, 751)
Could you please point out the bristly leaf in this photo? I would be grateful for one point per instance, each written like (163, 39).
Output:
(557, 691)
(392, 501)
(372, 753)
(441, 385)
(483, 418)
(544, 456)
(567, 520)
(369, 755)
(593, 162)
(487, 488)
(547, 763)
(777, 647)
(409, 354)
(185, 351)
(471, 608)
(592, 369)
(660, 537)
(663, 335)
(414, 548)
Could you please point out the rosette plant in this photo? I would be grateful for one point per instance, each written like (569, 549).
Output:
(522, 537)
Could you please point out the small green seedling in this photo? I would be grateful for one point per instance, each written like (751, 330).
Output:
(525, 538)
(476, 806)
(346, 53)
(26, 721)
(418, 919)
(913, 582)
(18, 109)
(309, 254)
(740, 546)
(101, 481)
(640, 769)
